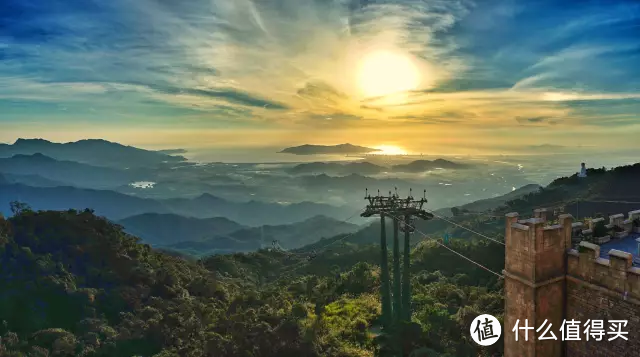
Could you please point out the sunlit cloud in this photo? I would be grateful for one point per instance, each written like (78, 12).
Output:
(296, 66)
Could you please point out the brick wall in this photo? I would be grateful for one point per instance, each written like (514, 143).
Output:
(534, 281)
(546, 280)
(585, 302)
(601, 289)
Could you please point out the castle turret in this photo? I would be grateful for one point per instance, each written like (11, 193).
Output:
(535, 267)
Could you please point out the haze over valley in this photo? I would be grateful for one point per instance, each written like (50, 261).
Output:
(124, 182)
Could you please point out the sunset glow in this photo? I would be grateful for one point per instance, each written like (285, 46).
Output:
(390, 150)
(450, 76)
(383, 73)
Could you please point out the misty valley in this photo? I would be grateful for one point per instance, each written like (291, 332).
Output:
(170, 201)
(121, 251)
(205, 208)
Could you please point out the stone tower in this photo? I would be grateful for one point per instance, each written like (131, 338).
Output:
(547, 280)
(535, 268)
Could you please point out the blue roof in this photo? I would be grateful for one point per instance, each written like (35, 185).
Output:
(627, 244)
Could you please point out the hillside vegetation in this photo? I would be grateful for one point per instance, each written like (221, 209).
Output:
(74, 284)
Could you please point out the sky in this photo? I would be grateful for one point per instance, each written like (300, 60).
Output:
(427, 76)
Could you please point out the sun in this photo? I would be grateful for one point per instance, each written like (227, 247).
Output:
(382, 73)
(389, 150)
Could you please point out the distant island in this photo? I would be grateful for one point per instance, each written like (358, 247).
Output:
(342, 149)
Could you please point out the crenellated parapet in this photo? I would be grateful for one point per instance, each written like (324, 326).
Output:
(616, 273)
(599, 231)
(545, 280)
(632, 223)
(536, 249)
(534, 277)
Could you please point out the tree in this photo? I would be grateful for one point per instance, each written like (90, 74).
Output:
(455, 211)
(18, 208)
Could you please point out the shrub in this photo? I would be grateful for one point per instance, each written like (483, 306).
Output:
(600, 230)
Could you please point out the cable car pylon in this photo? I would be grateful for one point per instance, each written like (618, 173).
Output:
(403, 212)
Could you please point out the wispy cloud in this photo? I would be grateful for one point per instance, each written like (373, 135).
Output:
(290, 64)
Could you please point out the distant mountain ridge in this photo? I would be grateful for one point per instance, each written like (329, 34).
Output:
(289, 236)
(426, 165)
(341, 149)
(29, 180)
(96, 152)
(164, 229)
(68, 172)
(117, 206)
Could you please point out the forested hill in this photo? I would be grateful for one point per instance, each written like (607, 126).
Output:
(602, 191)
(74, 284)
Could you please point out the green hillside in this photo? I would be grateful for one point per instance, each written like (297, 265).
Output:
(74, 284)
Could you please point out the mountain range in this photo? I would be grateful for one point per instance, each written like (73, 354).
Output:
(290, 236)
(341, 149)
(96, 152)
(29, 180)
(166, 228)
(117, 206)
(68, 172)
(73, 283)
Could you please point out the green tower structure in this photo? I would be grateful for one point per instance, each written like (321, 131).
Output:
(401, 211)
(385, 291)
(406, 268)
(397, 289)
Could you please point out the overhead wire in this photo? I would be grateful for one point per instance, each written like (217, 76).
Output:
(323, 248)
(484, 236)
(463, 227)
(449, 249)
(300, 264)
(428, 238)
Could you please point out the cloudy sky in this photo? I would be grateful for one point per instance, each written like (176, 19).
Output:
(489, 75)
